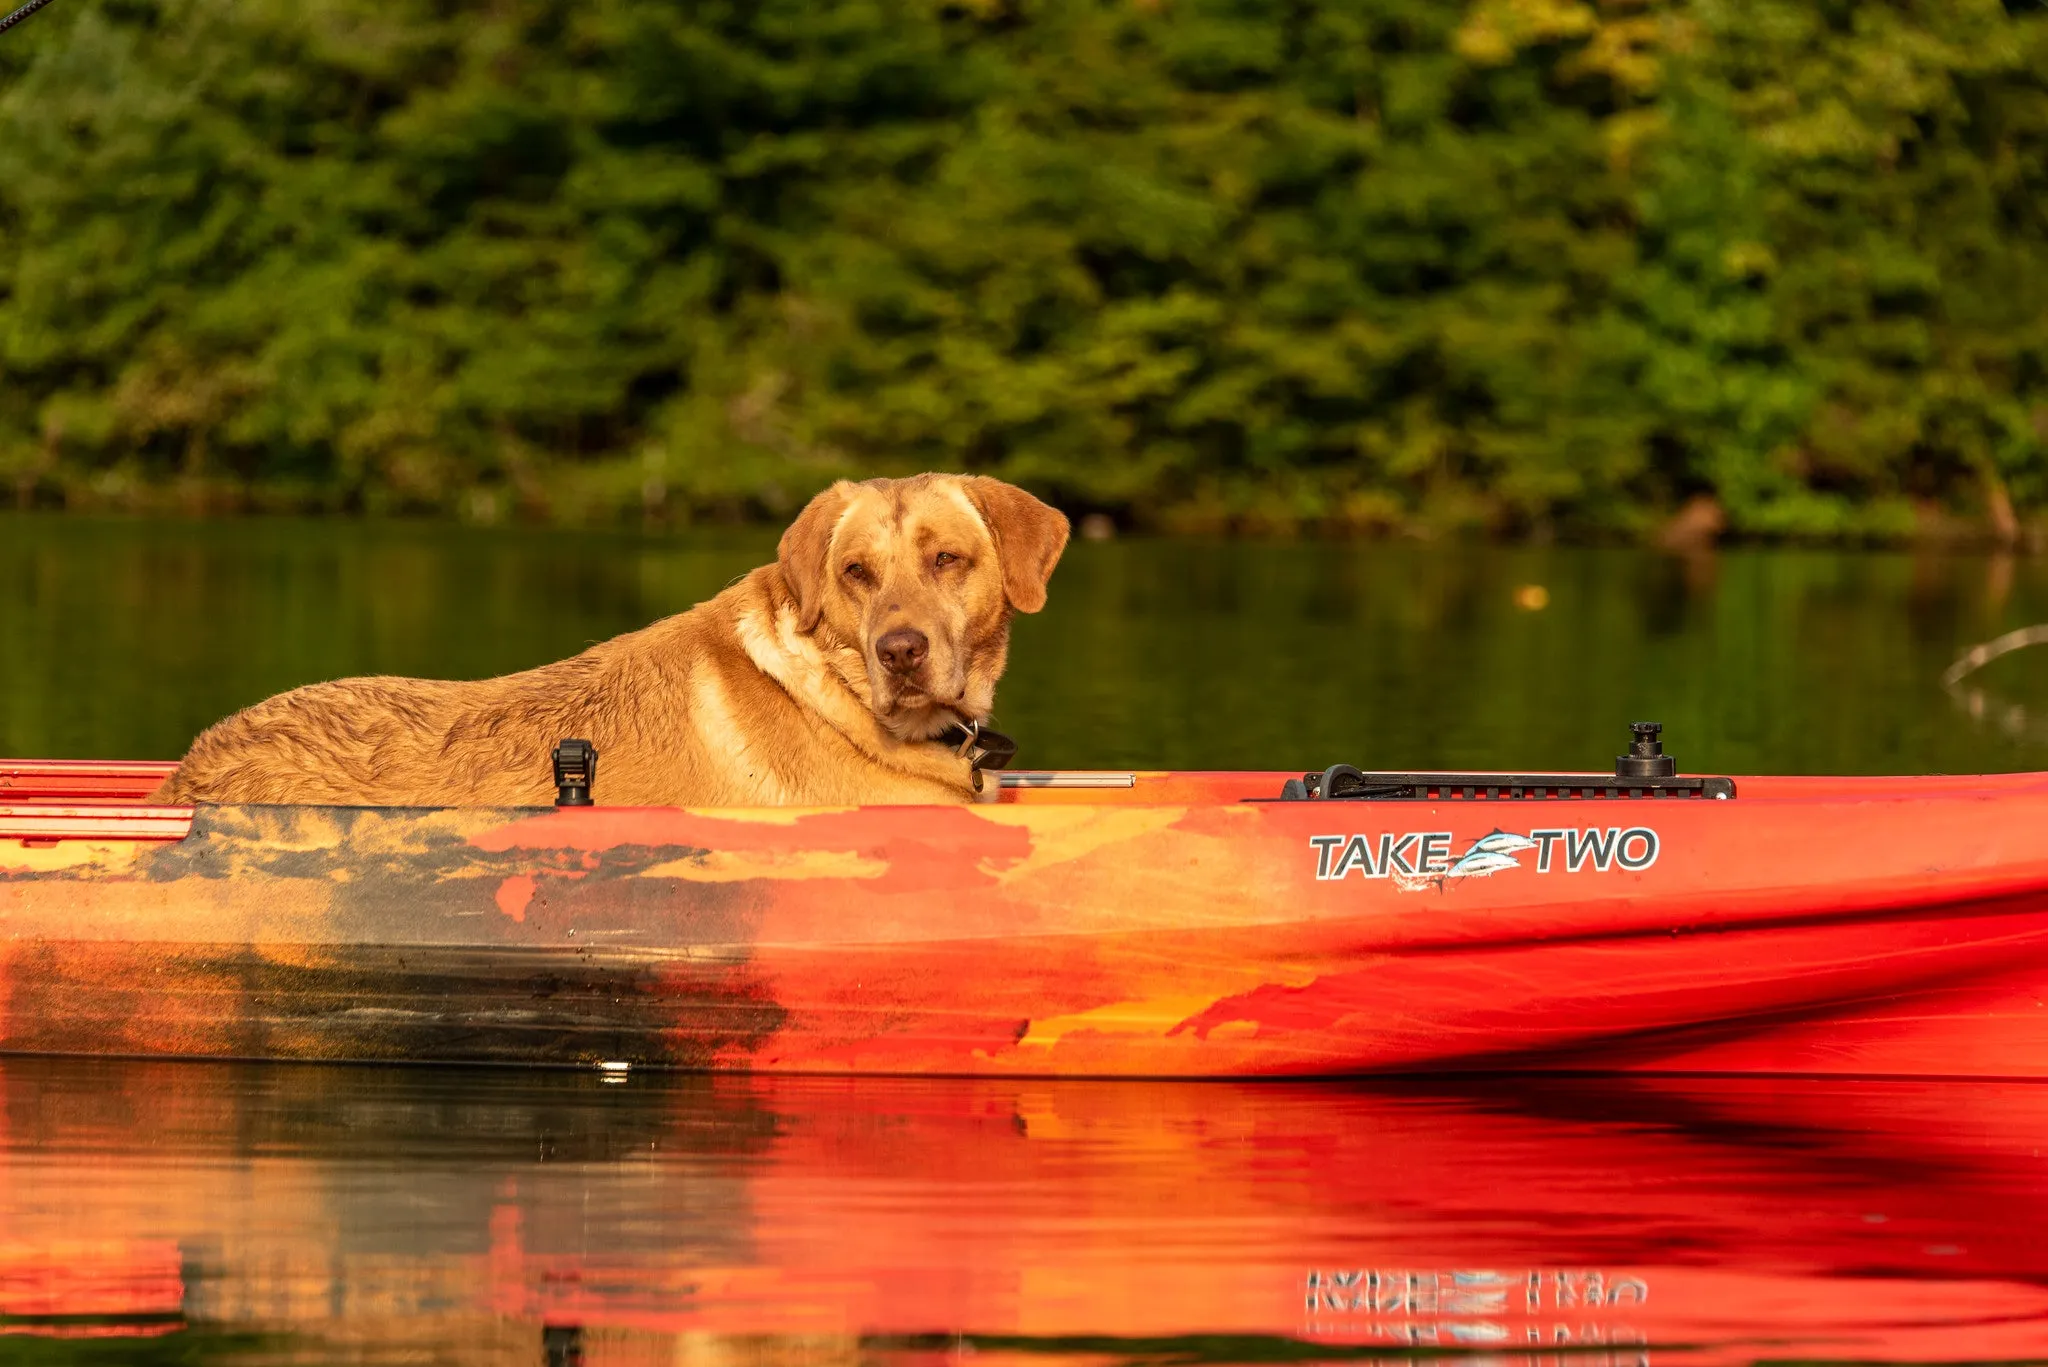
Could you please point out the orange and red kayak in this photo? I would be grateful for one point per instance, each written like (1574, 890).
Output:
(1149, 924)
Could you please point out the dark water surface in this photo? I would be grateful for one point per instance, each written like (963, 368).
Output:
(184, 1213)
(215, 1213)
(123, 639)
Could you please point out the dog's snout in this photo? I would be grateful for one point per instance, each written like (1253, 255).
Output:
(903, 649)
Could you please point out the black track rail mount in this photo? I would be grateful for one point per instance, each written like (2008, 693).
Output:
(1645, 772)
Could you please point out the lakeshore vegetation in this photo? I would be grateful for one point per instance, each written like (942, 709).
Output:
(1523, 267)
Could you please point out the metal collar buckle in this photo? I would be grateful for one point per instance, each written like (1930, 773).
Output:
(979, 746)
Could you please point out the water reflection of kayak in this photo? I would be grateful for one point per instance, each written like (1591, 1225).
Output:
(1174, 924)
(876, 1220)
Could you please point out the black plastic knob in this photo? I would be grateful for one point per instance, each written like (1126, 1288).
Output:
(575, 773)
(1645, 757)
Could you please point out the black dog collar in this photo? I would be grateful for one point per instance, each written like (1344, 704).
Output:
(984, 749)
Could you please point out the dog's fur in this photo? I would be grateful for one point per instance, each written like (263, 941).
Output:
(771, 693)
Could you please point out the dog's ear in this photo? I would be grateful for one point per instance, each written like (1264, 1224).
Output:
(801, 554)
(1029, 538)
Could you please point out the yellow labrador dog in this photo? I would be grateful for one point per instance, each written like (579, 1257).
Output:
(823, 678)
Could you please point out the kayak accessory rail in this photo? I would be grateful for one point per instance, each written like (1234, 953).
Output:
(1644, 772)
(1343, 783)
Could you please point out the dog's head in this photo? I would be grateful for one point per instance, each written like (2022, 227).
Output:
(921, 577)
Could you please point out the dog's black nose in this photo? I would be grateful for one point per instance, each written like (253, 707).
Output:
(903, 649)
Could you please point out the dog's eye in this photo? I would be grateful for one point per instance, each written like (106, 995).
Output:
(944, 558)
(857, 572)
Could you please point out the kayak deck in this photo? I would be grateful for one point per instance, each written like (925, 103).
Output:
(118, 791)
(1186, 924)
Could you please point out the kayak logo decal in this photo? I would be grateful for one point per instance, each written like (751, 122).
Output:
(1419, 860)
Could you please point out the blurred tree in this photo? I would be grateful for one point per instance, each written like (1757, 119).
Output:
(1515, 264)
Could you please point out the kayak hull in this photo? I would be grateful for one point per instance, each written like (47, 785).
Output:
(1179, 927)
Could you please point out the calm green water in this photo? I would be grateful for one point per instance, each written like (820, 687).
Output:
(123, 639)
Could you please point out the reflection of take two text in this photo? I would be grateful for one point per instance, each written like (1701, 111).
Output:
(1536, 1309)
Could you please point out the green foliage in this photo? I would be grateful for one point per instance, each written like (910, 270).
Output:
(1520, 264)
